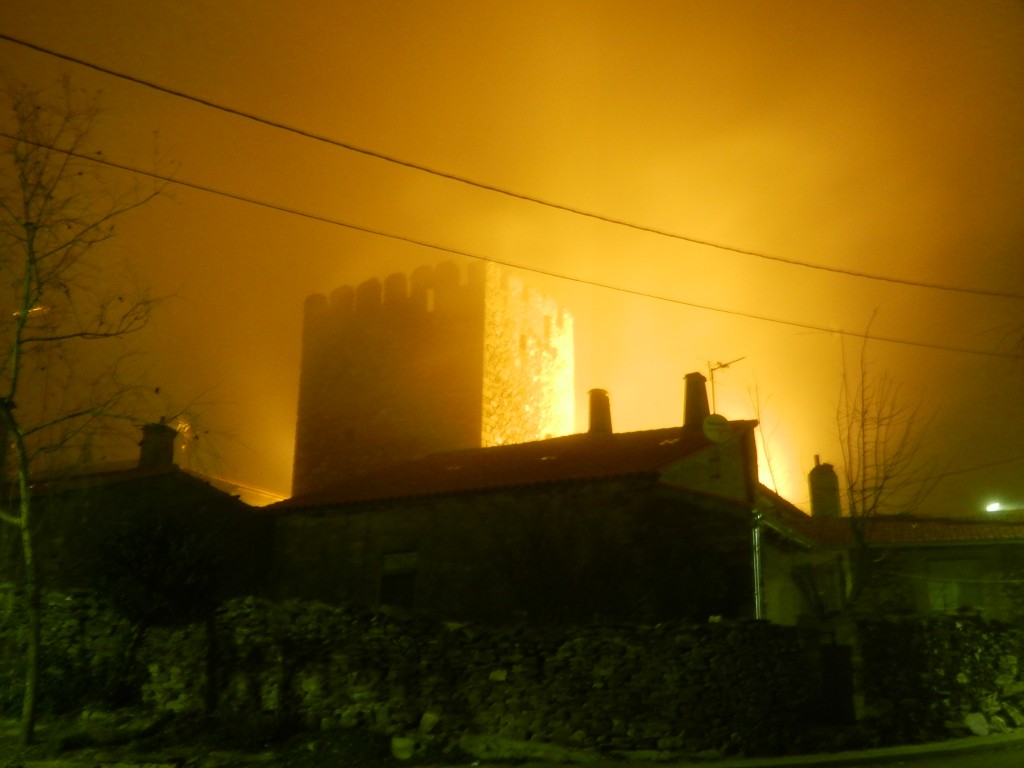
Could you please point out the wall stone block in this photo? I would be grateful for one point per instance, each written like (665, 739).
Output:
(923, 677)
(723, 688)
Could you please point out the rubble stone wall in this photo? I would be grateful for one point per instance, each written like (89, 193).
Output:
(445, 359)
(84, 647)
(731, 686)
(745, 686)
(923, 677)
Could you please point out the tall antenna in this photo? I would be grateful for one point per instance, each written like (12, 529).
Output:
(712, 367)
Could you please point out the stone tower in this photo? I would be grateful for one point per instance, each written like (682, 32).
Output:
(411, 366)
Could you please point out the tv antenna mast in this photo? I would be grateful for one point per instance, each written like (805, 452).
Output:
(712, 367)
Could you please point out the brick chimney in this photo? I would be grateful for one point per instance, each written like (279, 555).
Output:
(600, 412)
(824, 484)
(695, 406)
(156, 449)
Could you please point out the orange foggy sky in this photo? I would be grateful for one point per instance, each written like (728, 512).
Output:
(879, 137)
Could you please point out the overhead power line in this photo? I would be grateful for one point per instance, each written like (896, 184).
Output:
(470, 255)
(503, 191)
(976, 467)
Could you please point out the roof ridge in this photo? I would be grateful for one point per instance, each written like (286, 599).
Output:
(579, 456)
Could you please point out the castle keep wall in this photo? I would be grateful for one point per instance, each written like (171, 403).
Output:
(389, 371)
(528, 382)
(440, 360)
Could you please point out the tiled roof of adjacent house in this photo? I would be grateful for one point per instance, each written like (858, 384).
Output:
(907, 530)
(887, 530)
(113, 473)
(559, 459)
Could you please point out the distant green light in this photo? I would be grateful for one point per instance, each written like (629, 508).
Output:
(995, 506)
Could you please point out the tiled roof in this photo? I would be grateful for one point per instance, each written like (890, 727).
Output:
(906, 530)
(784, 517)
(573, 457)
(93, 477)
(888, 530)
(126, 473)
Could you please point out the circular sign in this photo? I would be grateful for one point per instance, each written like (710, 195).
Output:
(717, 428)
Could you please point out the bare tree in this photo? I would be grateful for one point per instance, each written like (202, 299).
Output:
(880, 436)
(64, 381)
(756, 402)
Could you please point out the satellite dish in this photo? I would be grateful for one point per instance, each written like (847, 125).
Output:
(717, 428)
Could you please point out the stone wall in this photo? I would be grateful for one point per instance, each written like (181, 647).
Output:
(626, 548)
(85, 644)
(435, 362)
(76, 527)
(743, 687)
(926, 677)
(528, 363)
(389, 371)
(718, 688)
(987, 578)
(735, 687)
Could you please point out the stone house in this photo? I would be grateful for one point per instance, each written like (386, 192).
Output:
(916, 564)
(647, 525)
(922, 565)
(78, 517)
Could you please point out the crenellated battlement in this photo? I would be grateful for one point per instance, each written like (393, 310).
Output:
(441, 359)
(440, 290)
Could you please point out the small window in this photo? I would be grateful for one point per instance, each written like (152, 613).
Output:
(398, 580)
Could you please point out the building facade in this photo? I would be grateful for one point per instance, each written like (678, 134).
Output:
(151, 515)
(642, 526)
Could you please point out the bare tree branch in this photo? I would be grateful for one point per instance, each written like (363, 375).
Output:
(881, 440)
(62, 312)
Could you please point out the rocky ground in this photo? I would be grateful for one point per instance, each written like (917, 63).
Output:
(137, 739)
(129, 741)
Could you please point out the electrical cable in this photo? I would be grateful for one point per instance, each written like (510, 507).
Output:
(547, 273)
(501, 190)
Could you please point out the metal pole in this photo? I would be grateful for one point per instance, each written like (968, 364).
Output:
(711, 375)
(758, 596)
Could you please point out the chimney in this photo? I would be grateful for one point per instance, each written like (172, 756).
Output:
(156, 450)
(600, 412)
(695, 407)
(824, 485)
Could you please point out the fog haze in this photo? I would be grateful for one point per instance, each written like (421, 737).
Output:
(880, 138)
